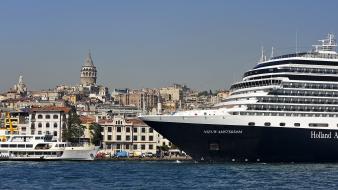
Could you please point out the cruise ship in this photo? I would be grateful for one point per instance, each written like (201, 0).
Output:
(41, 147)
(285, 109)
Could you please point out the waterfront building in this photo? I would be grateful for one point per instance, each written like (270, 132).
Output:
(131, 135)
(18, 120)
(48, 120)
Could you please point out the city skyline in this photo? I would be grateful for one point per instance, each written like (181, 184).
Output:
(205, 45)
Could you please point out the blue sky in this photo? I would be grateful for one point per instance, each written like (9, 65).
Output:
(136, 44)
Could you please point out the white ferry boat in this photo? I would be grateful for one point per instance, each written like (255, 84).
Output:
(285, 109)
(41, 147)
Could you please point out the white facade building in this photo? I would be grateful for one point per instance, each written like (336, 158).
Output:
(131, 135)
(48, 121)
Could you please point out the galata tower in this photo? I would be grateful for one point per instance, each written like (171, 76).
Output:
(88, 72)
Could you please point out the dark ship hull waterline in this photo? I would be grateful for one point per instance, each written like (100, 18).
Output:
(284, 110)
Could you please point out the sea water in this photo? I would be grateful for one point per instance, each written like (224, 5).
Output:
(165, 175)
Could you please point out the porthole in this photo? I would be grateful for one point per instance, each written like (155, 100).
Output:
(267, 124)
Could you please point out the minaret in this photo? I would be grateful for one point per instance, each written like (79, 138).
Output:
(88, 72)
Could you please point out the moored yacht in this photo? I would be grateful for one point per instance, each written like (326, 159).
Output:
(285, 109)
(41, 147)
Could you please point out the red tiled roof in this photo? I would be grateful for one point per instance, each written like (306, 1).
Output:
(87, 119)
(50, 108)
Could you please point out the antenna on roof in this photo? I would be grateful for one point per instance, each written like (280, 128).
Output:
(271, 56)
(296, 42)
(262, 55)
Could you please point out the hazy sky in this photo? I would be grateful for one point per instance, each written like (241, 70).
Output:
(134, 44)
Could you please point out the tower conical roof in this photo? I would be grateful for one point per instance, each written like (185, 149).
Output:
(89, 61)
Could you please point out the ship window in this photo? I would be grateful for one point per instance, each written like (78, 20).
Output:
(282, 124)
(21, 146)
(296, 124)
(251, 123)
(214, 146)
(4, 145)
(267, 124)
(318, 125)
(13, 145)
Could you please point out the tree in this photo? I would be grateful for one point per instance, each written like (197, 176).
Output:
(74, 129)
(95, 132)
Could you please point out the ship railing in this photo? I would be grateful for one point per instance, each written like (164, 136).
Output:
(308, 55)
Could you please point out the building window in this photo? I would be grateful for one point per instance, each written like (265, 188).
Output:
(39, 132)
(47, 133)
(64, 125)
(109, 137)
(118, 146)
(127, 146)
(128, 129)
(33, 125)
(143, 146)
(55, 125)
(143, 130)
(135, 146)
(118, 137)
(55, 133)
(135, 130)
(47, 116)
(127, 138)
(23, 128)
(33, 116)
(39, 125)
(151, 147)
(55, 116)
(143, 138)
(151, 138)
(151, 130)
(109, 129)
(135, 138)
(39, 116)
(118, 129)
(47, 125)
